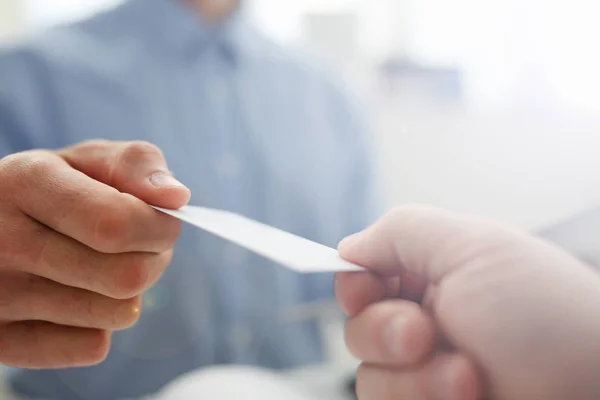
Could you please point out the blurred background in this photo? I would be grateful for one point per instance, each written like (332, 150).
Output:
(489, 107)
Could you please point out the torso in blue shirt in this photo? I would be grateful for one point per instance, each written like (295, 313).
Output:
(249, 128)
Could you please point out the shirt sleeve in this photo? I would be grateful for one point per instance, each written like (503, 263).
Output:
(26, 120)
(10, 139)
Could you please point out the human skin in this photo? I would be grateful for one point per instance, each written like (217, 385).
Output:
(460, 308)
(79, 245)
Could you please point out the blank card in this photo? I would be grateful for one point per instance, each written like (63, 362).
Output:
(289, 250)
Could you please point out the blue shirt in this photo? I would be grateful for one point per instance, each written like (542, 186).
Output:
(249, 127)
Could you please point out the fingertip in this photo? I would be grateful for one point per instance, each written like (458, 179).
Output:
(373, 248)
(394, 333)
(417, 341)
(356, 290)
(173, 198)
(346, 245)
(453, 377)
(167, 192)
(468, 382)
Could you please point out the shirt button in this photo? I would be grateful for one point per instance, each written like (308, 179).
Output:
(229, 167)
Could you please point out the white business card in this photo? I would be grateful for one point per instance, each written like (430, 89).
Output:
(289, 250)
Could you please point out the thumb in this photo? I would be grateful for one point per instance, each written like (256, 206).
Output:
(427, 243)
(137, 168)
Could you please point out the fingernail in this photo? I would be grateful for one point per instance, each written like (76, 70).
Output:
(394, 336)
(162, 180)
(441, 382)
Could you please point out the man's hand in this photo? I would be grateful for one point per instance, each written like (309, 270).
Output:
(79, 245)
(458, 308)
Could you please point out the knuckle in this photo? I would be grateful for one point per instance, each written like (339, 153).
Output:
(408, 210)
(135, 151)
(399, 216)
(97, 347)
(35, 164)
(133, 279)
(93, 145)
(112, 227)
(25, 164)
(396, 214)
(14, 161)
(8, 166)
(163, 234)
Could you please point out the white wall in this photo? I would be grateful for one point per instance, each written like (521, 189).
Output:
(10, 20)
(529, 169)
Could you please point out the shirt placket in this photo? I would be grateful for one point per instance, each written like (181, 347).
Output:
(230, 159)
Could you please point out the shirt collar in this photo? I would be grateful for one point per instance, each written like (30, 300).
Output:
(172, 25)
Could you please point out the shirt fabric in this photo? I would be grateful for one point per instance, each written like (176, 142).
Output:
(250, 127)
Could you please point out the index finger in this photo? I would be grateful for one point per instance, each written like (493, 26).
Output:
(97, 215)
(354, 291)
(420, 246)
(428, 243)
